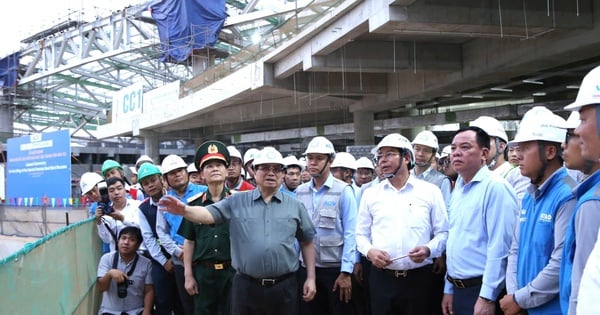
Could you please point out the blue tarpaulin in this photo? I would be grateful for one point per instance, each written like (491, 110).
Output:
(184, 25)
(9, 70)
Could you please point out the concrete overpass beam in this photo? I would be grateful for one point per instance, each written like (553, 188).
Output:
(388, 56)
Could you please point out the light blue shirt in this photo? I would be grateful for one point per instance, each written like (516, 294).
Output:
(482, 217)
(174, 220)
(349, 212)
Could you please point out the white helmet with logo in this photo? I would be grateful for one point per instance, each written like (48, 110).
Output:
(233, 152)
(268, 155)
(88, 181)
(396, 140)
(539, 123)
(491, 126)
(589, 91)
(191, 168)
(428, 139)
(172, 162)
(446, 151)
(249, 155)
(364, 162)
(344, 159)
(291, 160)
(320, 145)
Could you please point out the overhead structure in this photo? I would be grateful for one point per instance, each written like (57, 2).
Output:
(323, 68)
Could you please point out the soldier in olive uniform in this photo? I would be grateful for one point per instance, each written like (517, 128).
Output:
(207, 258)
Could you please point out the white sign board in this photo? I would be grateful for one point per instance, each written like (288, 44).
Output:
(128, 102)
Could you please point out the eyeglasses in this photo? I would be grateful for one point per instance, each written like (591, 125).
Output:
(569, 135)
(266, 168)
(386, 155)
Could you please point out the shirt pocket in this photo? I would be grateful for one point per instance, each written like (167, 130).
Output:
(330, 248)
(327, 218)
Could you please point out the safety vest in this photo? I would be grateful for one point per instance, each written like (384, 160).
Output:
(149, 211)
(536, 235)
(329, 241)
(588, 190)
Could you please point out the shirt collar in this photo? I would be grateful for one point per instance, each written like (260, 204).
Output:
(328, 182)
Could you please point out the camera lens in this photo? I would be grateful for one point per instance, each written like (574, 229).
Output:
(122, 289)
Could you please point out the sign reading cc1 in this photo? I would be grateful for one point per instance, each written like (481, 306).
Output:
(128, 102)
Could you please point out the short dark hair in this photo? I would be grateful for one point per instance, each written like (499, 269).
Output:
(113, 180)
(132, 230)
(481, 137)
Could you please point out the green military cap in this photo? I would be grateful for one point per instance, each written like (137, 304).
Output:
(211, 150)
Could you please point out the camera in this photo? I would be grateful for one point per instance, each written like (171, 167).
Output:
(105, 200)
(122, 289)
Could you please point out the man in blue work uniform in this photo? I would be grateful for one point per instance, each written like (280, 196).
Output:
(175, 174)
(331, 204)
(536, 249)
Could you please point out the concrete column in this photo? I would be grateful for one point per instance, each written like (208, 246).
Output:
(364, 133)
(6, 122)
(202, 62)
(151, 145)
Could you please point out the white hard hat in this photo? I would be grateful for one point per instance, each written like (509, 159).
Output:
(396, 140)
(589, 91)
(249, 155)
(539, 123)
(320, 145)
(172, 162)
(291, 160)
(364, 162)
(133, 170)
(191, 168)
(426, 138)
(573, 120)
(446, 151)
(302, 162)
(268, 155)
(88, 181)
(233, 152)
(142, 159)
(344, 159)
(491, 126)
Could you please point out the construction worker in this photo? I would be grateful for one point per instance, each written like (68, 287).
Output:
(364, 171)
(195, 175)
(235, 180)
(248, 158)
(166, 299)
(207, 252)
(331, 204)
(175, 175)
(293, 168)
(343, 168)
(498, 142)
(536, 250)
(579, 287)
(112, 168)
(425, 146)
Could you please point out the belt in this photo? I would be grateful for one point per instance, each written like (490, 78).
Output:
(465, 283)
(267, 282)
(215, 265)
(403, 273)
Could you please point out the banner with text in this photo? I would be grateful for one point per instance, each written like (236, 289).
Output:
(38, 171)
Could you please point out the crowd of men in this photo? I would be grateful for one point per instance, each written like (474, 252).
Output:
(487, 225)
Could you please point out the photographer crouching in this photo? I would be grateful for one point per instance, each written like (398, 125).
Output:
(124, 277)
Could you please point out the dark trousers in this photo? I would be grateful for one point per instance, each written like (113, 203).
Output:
(463, 300)
(361, 299)
(327, 301)
(406, 295)
(251, 298)
(165, 291)
(185, 299)
(214, 290)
